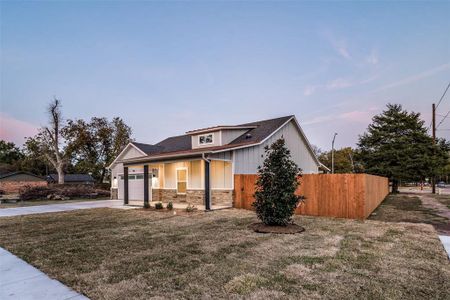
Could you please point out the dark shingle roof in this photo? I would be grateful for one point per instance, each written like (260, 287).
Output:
(72, 177)
(263, 130)
(147, 148)
(4, 175)
(182, 143)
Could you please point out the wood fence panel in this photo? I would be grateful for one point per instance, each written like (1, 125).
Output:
(352, 196)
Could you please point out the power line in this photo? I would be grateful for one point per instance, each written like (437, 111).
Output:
(443, 119)
(443, 95)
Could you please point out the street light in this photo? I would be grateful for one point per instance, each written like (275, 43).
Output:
(332, 153)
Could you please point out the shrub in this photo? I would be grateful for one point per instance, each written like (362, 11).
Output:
(275, 198)
(37, 192)
(57, 191)
(170, 205)
(191, 208)
(159, 205)
(146, 205)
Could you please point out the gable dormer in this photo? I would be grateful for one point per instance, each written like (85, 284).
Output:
(216, 136)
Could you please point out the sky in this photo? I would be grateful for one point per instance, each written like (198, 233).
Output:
(169, 67)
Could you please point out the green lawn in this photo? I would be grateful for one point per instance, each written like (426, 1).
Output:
(139, 254)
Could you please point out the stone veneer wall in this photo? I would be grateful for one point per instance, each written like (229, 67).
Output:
(222, 197)
(114, 193)
(197, 197)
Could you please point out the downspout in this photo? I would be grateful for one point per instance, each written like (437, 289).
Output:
(207, 183)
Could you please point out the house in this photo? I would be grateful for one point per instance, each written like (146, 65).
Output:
(72, 179)
(12, 183)
(199, 166)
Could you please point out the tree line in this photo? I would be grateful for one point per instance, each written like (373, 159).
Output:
(68, 146)
(395, 145)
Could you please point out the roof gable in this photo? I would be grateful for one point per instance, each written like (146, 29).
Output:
(258, 132)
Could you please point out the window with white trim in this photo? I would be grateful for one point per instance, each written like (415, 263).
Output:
(181, 181)
(205, 139)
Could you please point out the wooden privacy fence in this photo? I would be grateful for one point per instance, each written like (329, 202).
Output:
(352, 196)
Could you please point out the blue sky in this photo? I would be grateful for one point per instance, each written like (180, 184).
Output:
(168, 67)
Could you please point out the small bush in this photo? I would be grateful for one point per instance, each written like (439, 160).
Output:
(159, 205)
(191, 208)
(169, 205)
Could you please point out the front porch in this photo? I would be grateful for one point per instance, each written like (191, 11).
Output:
(205, 183)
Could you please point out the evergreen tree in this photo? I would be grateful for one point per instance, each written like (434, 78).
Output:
(396, 145)
(275, 199)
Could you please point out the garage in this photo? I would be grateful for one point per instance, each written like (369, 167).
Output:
(135, 188)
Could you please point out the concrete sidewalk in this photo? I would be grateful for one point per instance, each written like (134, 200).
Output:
(19, 280)
(446, 242)
(39, 209)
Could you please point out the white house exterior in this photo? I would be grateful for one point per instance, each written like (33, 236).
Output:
(199, 167)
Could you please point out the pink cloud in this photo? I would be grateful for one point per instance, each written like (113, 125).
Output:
(355, 116)
(13, 130)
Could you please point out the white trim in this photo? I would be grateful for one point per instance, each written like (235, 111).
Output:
(205, 144)
(124, 149)
(232, 169)
(176, 179)
(307, 142)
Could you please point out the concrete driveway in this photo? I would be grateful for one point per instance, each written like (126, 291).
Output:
(40, 209)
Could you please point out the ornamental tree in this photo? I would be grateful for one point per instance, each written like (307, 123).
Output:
(275, 198)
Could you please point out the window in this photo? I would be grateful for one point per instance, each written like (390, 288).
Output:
(140, 176)
(181, 181)
(205, 139)
(155, 178)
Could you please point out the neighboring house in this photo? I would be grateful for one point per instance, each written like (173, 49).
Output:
(72, 179)
(199, 166)
(11, 183)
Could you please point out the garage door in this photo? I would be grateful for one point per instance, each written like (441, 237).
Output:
(135, 187)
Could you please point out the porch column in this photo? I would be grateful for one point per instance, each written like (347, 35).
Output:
(146, 186)
(125, 185)
(207, 186)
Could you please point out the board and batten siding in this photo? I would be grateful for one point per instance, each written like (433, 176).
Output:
(221, 156)
(247, 160)
(118, 168)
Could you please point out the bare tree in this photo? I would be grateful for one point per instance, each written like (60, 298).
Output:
(49, 139)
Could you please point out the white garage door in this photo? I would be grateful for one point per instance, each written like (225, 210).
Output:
(135, 187)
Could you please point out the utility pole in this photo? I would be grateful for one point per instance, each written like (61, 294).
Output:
(332, 153)
(433, 178)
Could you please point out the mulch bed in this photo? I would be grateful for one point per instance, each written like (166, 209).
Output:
(289, 229)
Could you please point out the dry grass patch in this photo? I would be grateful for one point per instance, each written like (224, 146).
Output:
(409, 208)
(138, 254)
